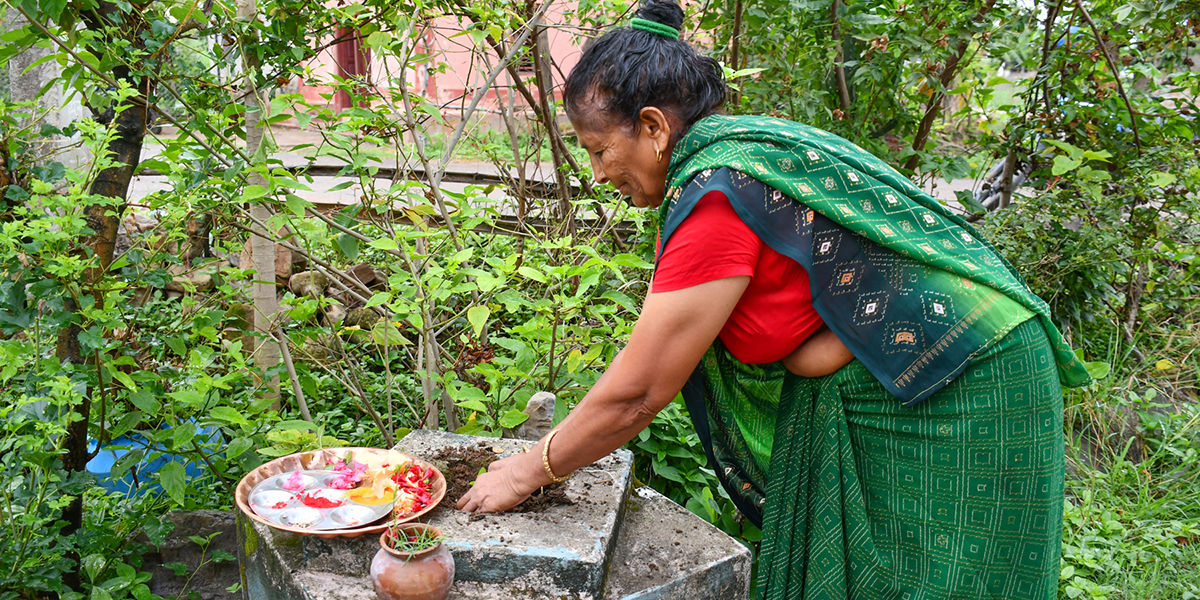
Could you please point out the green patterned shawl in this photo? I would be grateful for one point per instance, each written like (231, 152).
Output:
(860, 193)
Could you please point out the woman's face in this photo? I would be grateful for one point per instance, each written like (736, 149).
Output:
(630, 159)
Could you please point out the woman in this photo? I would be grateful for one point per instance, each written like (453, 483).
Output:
(874, 385)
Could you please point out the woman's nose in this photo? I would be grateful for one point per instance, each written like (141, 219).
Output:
(598, 172)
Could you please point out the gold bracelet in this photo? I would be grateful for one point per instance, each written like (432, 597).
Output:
(546, 459)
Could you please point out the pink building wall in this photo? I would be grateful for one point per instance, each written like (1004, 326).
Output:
(464, 70)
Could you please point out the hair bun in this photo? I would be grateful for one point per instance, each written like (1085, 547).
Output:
(666, 12)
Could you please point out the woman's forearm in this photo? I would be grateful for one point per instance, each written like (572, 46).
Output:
(670, 337)
(610, 415)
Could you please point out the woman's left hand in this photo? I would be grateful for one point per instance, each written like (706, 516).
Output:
(506, 484)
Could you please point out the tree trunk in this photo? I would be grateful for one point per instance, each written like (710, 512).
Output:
(934, 108)
(262, 248)
(1136, 287)
(113, 182)
(735, 49)
(1006, 178)
(556, 138)
(541, 62)
(840, 60)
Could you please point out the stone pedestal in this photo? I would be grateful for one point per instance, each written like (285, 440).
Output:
(610, 544)
(565, 547)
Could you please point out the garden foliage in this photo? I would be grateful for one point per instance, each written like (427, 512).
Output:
(487, 294)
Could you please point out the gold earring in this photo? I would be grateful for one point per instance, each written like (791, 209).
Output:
(659, 152)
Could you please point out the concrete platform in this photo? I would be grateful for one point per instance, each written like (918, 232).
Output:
(656, 548)
(666, 552)
(566, 546)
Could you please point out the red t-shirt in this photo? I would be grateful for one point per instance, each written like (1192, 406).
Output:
(775, 313)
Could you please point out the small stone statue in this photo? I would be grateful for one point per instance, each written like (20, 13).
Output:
(541, 417)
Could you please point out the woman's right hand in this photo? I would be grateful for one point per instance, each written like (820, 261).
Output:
(506, 483)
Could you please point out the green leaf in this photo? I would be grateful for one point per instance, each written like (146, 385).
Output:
(630, 260)
(532, 274)
(745, 72)
(474, 405)
(123, 378)
(669, 472)
(471, 427)
(260, 404)
(750, 533)
(561, 410)
(697, 507)
(145, 401)
(93, 564)
(1064, 164)
(477, 316)
(92, 339)
(229, 415)
(348, 245)
(383, 244)
(416, 320)
(183, 435)
(1099, 155)
(1091, 174)
(122, 465)
(1160, 179)
(1098, 370)
(295, 425)
(487, 282)
(172, 476)
(432, 110)
(384, 333)
(127, 422)
(1071, 150)
(378, 299)
(302, 118)
(54, 8)
(253, 192)
(962, 89)
(179, 568)
(277, 451)
(141, 592)
(238, 447)
(191, 397)
(177, 346)
(296, 204)
(513, 418)
(967, 199)
(461, 256)
(378, 39)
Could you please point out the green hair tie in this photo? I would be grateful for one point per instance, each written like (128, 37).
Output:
(655, 27)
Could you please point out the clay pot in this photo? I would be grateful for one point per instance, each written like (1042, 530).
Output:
(424, 575)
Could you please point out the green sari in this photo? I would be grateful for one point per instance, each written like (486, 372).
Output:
(929, 467)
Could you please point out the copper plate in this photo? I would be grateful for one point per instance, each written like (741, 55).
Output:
(317, 459)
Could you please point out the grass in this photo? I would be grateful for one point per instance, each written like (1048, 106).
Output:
(1132, 518)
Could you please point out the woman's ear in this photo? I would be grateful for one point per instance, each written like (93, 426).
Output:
(655, 124)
